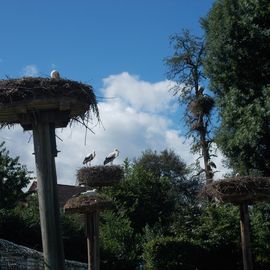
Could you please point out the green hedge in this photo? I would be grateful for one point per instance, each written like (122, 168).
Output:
(172, 254)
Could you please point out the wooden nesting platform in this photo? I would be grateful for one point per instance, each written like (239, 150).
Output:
(23, 100)
(84, 204)
(238, 190)
(99, 176)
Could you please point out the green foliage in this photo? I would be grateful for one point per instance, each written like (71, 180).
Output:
(210, 240)
(154, 189)
(150, 190)
(237, 63)
(260, 235)
(237, 42)
(169, 253)
(144, 199)
(13, 177)
(21, 225)
(15, 228)
(214, 228)
(244, 133)
(73, 235)
(218, 225)
(119, 243)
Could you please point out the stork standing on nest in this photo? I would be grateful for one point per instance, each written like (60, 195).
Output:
(87, 160)
(110, 157)
(55, 75)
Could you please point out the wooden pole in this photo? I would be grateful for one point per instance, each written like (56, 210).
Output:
(245, 237)
(92, 234)
(45, 150)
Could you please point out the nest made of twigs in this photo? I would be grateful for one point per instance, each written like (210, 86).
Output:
(31, 95)
(238, 190)
(98, 176)
(84, 204)
(201, 105)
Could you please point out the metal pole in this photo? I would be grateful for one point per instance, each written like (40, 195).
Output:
(245, 237)
(44, 147)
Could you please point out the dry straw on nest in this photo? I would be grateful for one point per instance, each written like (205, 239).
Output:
(239, 189)
(24, 93)
(98, 176)
(84, 204)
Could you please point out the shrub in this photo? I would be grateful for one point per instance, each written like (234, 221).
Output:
(168, 253)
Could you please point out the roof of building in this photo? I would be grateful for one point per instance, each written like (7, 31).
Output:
(65, 192)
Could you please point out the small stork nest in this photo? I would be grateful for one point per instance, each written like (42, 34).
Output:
(99, 176)
(84, 204)
(238, 190)
(201, 105)
(30, 95)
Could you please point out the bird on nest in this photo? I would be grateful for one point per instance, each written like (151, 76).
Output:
(55, 75)
(90, 193)
(87, 160)
(110, 157)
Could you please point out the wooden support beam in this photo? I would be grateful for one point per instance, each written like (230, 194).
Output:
(45, 149)
(245, 237)
(92, 234)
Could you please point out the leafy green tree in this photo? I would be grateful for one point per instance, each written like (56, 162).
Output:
(238, 65)
(260, 235)
(119, 242)
(211, 241)
(146, 203)
(185, 67)
(144, 198)
(13, 178)
(169, 253)
(168, 164)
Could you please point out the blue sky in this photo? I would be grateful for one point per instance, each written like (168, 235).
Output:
(116, 46)
(90, 40)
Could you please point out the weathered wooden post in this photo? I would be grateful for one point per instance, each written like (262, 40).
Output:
(241, 191)
(41, 105)
(43, 134)
(245, 236)
(91, 205)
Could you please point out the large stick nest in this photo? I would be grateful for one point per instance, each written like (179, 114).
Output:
(84, 204)
(34, 94)
(201, 105)
(98, 176)
(238, 190)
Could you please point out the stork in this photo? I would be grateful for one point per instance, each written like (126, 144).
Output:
(87, 160)
(90, 193)
(110, 157)
(55, 75)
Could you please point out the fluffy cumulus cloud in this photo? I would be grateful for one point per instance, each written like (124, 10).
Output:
(136, 115)
(138, 94)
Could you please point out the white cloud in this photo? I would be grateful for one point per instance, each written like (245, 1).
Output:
(141, 95)
(30, 71)
(138, 117)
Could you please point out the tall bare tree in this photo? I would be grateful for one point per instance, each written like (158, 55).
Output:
(185, 67)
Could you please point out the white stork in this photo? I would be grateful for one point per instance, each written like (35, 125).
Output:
(90, 193)
(87, 160)
(55, 75)
(110, 157)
